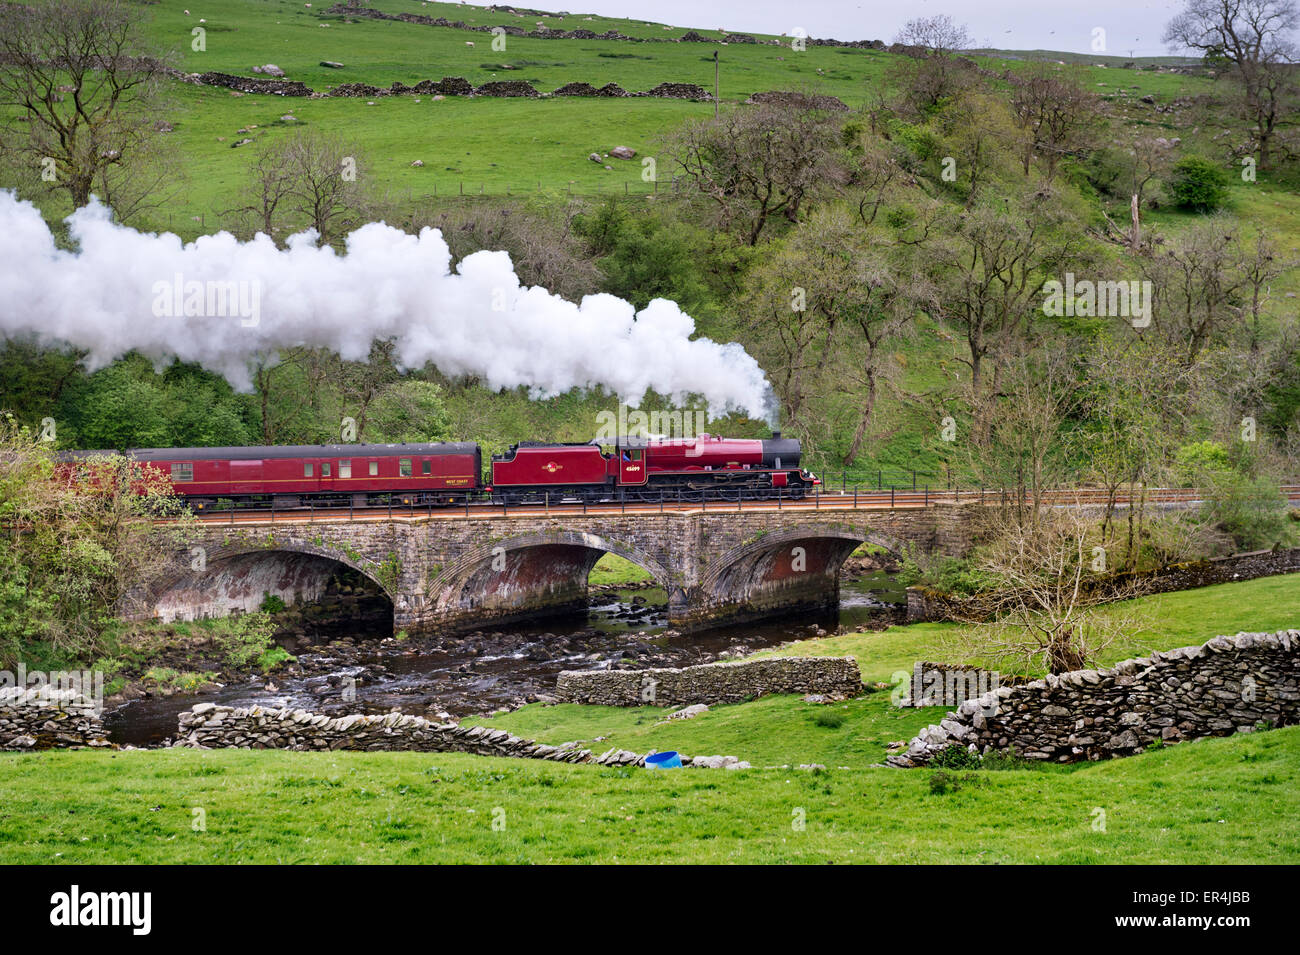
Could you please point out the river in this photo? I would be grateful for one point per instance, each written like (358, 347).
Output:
(352, 668)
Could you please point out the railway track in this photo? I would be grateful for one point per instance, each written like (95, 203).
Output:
(871, 499)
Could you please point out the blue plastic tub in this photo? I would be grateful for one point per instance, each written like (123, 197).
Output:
(668, 760)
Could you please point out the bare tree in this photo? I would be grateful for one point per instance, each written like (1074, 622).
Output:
(270, 186)
(83, 94)
(987, 268)
(1259, 263)
(1048, 580)
(938, 34)
(1138, 397)
(540, 238)
(933, 72)
(1196, 279)
(1054, 111)
(1256, 39)
(1021, 448)
(757, 162)
(1143, 158)
(313, 179)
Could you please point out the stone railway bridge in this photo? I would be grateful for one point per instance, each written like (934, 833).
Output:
(445, 573)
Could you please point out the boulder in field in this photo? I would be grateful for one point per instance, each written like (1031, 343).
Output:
(622, 152)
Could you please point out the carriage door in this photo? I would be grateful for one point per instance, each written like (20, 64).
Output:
(246, 477)
(631, 468)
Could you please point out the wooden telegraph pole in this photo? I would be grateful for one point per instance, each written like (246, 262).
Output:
(715, 84)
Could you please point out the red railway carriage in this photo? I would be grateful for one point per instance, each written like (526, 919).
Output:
(295, 476)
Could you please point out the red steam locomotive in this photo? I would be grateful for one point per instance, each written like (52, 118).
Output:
(366, 475)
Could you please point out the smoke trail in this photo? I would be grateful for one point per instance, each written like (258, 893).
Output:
(220, 302)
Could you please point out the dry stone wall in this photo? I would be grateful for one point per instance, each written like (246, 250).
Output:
(41, 717)
(711, 683)
(550, 33)
(926, 603)
(1228, 685)
(209, 726)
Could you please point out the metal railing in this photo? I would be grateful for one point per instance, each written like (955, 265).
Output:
(845, 497)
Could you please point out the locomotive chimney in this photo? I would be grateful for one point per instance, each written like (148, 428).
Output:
(775, 435)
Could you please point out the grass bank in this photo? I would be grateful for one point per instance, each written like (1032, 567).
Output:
(1232, 799)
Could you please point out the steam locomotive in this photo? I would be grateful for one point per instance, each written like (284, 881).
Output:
(367, 475)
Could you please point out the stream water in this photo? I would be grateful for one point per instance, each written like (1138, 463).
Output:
(347, 666)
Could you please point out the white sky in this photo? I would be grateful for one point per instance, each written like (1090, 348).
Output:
(1133, 27)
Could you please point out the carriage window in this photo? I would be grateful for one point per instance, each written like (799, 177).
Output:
(307, 469)
(404, 467)
(182, 471)
(426, 467)
(345, 468)
(325, 469)
(374, 469)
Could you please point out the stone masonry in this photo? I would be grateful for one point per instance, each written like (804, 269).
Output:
(209, 726)
(712, 683)
(444, 570)
(1228, 685)
(43, 716)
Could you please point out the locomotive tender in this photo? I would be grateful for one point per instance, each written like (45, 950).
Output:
(366, 475)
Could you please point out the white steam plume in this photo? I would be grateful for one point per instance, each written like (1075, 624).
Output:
(106, 298)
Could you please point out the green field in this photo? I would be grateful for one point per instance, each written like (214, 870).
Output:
(1215, 801)
(1210, 801)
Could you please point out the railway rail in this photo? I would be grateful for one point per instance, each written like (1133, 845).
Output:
(479, 507)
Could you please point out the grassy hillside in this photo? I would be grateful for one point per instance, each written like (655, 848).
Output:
(483, 144)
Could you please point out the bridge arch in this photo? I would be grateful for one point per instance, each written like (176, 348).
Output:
(210, 583)
(779, 571)
(753, 557)
(531, 573)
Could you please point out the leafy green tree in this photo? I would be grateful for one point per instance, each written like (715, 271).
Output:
(410, 410)
(74, 541)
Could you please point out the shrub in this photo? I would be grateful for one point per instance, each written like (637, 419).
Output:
(1197, 184)
(944, 782)
(829, 719)
(1253, 511)
(956, 757)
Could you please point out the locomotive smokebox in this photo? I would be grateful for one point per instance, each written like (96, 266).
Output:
(779, 452)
